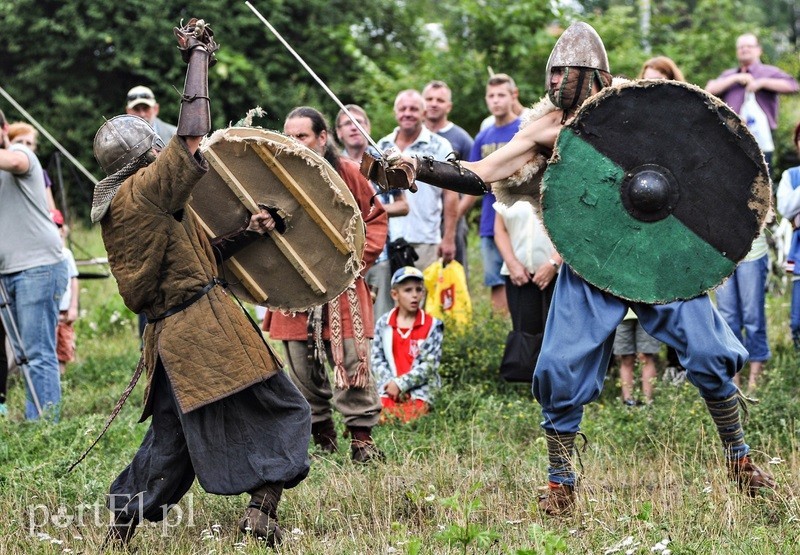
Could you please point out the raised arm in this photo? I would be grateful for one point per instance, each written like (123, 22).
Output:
(503, 162)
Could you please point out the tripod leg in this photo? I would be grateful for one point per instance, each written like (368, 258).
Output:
(12, 331)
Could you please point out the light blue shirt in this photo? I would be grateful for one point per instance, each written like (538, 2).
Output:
(423, 224)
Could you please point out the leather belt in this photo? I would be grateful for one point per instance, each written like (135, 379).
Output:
(188, 302)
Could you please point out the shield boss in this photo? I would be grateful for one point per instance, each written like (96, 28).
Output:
(655, 191)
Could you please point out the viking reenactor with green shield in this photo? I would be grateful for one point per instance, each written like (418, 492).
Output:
(221, 408)
(627, 181)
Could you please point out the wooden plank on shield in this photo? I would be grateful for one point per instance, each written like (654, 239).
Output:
(292, 186)
(237, 268)
(283, 245)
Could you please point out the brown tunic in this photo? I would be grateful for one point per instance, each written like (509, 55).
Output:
(160, 258)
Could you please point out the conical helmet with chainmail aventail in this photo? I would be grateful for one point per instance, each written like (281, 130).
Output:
(122, 140)
(580, 52)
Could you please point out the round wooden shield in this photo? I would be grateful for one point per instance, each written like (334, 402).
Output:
(315, 252)
(655, 191)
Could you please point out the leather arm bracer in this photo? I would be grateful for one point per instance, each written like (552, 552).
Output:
(197, 46)
(226, 246)
(450, 175)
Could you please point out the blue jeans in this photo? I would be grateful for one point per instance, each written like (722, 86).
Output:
(794, 314)
(34, 295)
(740, 301)
(492, 263)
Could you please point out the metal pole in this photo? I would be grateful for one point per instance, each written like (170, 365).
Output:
(44, 132)
(315, 76)
(10, 325)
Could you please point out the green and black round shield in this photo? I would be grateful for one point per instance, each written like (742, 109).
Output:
(655, 191)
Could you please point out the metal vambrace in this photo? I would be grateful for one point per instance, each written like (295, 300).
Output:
(195, 116)
(450, 175)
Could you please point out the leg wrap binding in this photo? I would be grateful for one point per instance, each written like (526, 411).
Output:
(560, 450)
(725, 414)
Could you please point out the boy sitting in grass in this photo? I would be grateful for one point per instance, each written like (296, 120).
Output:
(407, 350)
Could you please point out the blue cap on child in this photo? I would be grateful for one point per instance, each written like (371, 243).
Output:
(406, 272)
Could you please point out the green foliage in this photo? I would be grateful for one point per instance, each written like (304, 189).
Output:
(466, 533)
(70, 63)
(545, 542)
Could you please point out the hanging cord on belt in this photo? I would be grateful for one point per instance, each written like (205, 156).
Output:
(114, 413)
(140, 367)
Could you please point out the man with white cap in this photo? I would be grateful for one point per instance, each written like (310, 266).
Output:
(142, 102)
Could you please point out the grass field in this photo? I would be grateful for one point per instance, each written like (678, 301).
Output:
(464, 479)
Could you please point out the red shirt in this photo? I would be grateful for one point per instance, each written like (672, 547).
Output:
(405, 341)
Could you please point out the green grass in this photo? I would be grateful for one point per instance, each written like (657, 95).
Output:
(464, 479)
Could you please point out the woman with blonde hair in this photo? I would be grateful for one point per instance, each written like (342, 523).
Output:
(25, 134)
(661, 67)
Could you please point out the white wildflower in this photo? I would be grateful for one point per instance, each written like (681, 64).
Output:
(297, 532)
(430, 498)
(776, 460)
(707, 489)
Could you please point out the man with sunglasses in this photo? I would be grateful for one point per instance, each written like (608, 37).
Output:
(142, 102)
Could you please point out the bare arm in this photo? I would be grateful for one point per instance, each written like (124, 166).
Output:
(72, 311)
(14, 161)
(774, 84)
(518, 274)
(465, 203)
(506, 160)
(721, 84)
(447, 248)
(398, 206)
(193, 143)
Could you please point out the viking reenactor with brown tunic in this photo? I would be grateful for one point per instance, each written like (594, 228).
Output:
(632, 191)
(221, 408)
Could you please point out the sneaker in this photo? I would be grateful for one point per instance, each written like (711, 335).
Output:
(558, 501)
(260, 525)
(3, 410)
(630, 403)
(749, 477)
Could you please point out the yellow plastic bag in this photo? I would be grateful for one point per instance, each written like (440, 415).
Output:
(448, 296)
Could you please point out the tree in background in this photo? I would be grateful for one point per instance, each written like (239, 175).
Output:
(71, 63)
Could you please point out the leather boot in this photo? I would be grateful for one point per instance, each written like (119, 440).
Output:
(749, 477)
(362, 447)
(558, 501)
(261, 516)
(324, 434)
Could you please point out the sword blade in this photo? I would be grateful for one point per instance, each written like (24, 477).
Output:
(315, 76)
